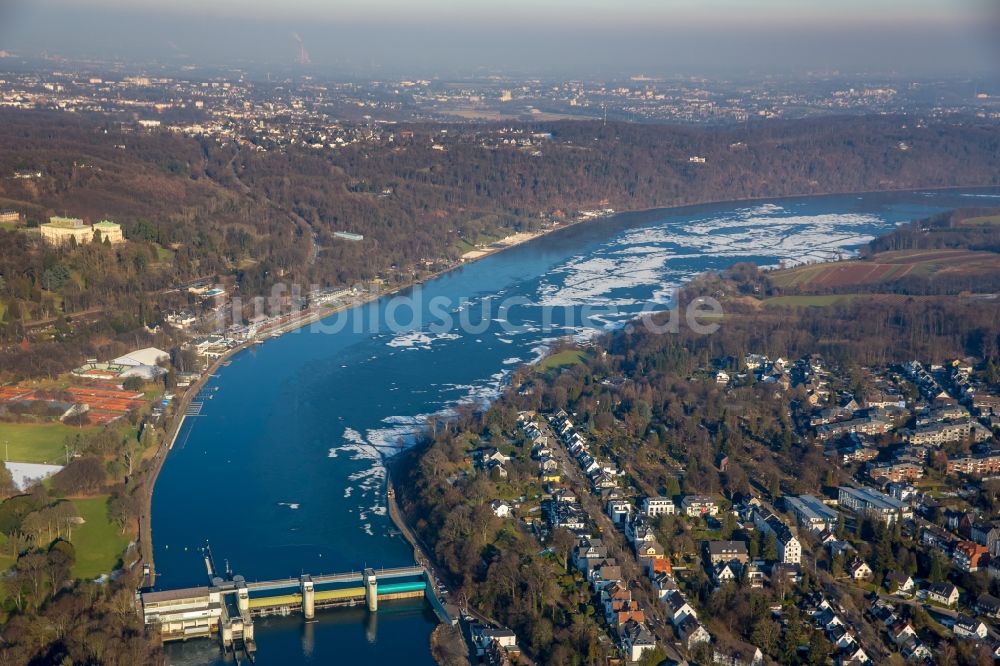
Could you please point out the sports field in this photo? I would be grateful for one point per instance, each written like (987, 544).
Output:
(36, 443)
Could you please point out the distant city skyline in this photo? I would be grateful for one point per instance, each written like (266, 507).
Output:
(932, 37)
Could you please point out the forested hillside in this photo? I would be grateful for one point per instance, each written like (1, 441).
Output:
(421, 196)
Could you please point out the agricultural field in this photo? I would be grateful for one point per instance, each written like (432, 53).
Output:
(884, 268)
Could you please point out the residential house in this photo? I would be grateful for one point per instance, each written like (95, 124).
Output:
(754, 572)
(664, 584)
(895, 471)
(564, 494)
(547, 464)
(945, 594)
(692, 633)
(811, 513)
(914, 650)
(979, 464)
(587, 550)
(636, 639)
(619, 511)
(970, 556)
(619, 607)
(936, 434)
(860, 571)
(699, 505)
(789, 547)
(902, 632)
(738, 654)
(899, 584)
(678, 608)
(725, 572)
(969, 627)
(986, 534)
(603, 481)
(604, 573)
(873, 503)
(648, 550)
(937, 537)
(500, 509)
(483, 637)
(493, 455)
(726, 551)
(854, 655)
(658, 506)
(988, 605)
(637, 530)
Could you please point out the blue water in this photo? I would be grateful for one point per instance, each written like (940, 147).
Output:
(282, 470)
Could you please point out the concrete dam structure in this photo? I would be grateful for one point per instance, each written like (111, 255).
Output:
(226, 607)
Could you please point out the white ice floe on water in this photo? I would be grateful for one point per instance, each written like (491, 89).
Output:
(356, 445)
(762, 209)
(290, 505)
(347, 492)
(643, 257)
(419, 339)
(511, 361)
(369, 478)
(400, 432)
(540, 352)
(590, 280)
(486, 391)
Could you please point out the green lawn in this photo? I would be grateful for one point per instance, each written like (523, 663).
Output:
(98, 542)
(464, 246)
(982, 220)
(36, 443)
(562, 359)
(163, 253)
(817, 300)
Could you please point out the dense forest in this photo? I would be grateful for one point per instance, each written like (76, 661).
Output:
(421, 196)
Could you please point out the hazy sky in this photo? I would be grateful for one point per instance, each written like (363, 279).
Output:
(577, 37)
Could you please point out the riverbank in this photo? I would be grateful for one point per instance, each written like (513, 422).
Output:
(178, 418)
(303, 320)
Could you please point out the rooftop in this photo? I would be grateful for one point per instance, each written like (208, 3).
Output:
(65, 222)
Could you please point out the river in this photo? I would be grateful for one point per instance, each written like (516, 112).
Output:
(282, 470)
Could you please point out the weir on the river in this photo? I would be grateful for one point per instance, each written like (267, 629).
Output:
(226, 607)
